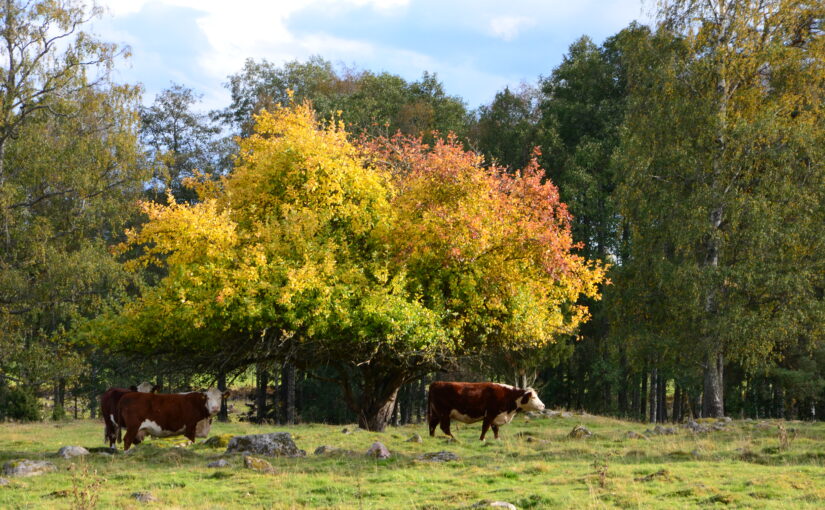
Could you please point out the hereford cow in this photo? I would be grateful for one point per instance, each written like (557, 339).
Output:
(108, 406)
(167, 415)
(495, 404)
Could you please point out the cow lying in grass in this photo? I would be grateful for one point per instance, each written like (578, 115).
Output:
(494, 404)
(167, 415)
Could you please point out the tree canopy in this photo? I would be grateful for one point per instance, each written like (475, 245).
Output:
(381, 259)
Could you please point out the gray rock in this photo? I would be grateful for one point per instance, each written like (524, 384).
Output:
(144, 497)
(566, 415)
(67, 452)
(726, 419)
(275, 444)
(3, 482)
(696, 427)
(718, 426)
(25, 467)
(415, 438)
(379, 451)
(495, 504)
(442, 456)
(220, 463)
(551, 414)
(664, 431)
(347, 430)
(325, 450)
(580, 432)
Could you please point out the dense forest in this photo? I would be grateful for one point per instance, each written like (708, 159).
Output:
(638, 233)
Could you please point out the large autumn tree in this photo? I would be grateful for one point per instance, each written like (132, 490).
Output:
(723, 183)
(379, 261)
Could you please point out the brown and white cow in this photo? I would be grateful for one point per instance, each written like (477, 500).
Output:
(161, 415)
(108, 406)
(494, 404)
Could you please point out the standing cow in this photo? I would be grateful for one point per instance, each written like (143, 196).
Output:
(108, 406)
(167, 415)
(495, 404)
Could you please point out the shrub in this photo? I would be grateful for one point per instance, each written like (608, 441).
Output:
(18, 404)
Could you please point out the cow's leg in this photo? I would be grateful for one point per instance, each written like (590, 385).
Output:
(191, 428)
(129, 438)
(433, 423)
(445, 426)
(495, 429)
(484, 427)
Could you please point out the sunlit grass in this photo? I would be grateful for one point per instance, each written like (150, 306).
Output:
(535, 465)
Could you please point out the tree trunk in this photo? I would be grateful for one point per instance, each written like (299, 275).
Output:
(662, 400)
(376, 412)
(643, 396)
(654, 394)
(420, 397)
(260, 397)
(288, 377)
(223, 414)
(677, 404)
(622, 396)
(712, 395)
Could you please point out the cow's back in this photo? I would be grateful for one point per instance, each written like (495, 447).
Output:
(169, 412)
(469, 399)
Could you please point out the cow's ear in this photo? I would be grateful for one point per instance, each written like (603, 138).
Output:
(525, 398)
(226, 394)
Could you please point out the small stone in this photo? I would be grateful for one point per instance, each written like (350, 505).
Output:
(346, 430)
(697, 427)
(379, 451)
(67, 452)
(442, 456)
(580, 432)
(220, 463)
(495, 504)
(27, 467)
(257, 464)
(664, 431)
(325, 449)
(566, 415)
(144, 497)
(551, 414)
(415, 438)
(726, 419)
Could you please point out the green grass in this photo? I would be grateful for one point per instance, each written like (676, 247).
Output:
(535, 465)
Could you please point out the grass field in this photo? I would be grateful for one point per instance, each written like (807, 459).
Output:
(535, 465)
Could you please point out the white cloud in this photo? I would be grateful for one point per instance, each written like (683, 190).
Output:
(508, 27)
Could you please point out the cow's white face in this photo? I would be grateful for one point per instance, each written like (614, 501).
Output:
(213, 400)
(145, 387)
(530, 401)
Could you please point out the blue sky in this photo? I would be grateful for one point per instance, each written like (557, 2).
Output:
(475, 47)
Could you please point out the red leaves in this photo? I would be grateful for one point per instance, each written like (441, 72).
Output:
(454, 207)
